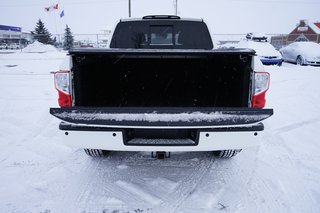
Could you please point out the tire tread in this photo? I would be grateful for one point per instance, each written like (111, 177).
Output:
(227, 153)
(97, 153)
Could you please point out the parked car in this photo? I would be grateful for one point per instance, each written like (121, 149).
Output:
(13, 46)
(3, 46)
(265, 51)
(86, 45)
(303, 53)
(161, 87)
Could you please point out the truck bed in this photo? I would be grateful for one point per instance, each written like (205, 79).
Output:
(161, 77)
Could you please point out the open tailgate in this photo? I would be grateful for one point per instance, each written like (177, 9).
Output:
(160, 117)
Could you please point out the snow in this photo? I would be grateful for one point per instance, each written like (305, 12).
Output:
(257, 35)
(156, 117)
(310, 49)
(37, 47)
(261, 48)
(135, 190)
(315, 28)
(40, 174)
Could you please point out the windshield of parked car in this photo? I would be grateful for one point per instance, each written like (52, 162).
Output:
(162, 34)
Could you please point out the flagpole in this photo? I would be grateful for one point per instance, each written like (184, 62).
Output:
(55, 20)
(61, 30)
(59, 6)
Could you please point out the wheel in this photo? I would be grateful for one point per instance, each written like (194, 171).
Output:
(98, 153)
(280, 64)
(226, 153)
(299, 60)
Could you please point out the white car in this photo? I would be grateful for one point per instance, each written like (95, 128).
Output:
(265, 51)
(13, 46)
(3, 46)
(303, 53)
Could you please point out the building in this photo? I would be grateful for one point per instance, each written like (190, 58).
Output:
(105, 38)
(11, 34)
(304, 31)
(27, 36)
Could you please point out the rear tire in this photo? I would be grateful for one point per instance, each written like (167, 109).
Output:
(226, 153)
(97, 153)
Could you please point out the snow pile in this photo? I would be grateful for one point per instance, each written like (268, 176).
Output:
(37, 47)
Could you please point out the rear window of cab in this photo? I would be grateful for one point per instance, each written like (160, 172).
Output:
(162, 34)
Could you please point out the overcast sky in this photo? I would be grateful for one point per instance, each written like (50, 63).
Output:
(224, 16)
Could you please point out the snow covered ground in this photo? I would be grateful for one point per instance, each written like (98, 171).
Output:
(39, 174)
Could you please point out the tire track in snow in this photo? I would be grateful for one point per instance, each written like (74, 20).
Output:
(95, 185)
(249, 189)
(77, 190)
(231, 188)
(44, 122)
(28, 135)
(109, 180)
(294, 126)
(187, 186)
(138, 192)
(265, 190)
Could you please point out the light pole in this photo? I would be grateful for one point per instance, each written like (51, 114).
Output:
(176, 7)
(129, 8)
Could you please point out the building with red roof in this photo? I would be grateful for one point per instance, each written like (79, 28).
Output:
(304, 31)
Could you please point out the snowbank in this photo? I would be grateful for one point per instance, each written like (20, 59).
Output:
(37, 47)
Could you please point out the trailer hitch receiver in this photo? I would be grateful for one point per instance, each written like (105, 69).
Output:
(160, 155)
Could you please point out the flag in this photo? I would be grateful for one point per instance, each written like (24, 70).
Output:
(53, 7)
(62, 14)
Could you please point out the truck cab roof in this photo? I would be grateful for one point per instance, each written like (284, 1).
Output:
(161, 17)
(162, 32)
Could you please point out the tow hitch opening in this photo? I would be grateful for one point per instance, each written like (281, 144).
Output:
(160, 155)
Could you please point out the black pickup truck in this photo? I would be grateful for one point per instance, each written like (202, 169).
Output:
(161, 87)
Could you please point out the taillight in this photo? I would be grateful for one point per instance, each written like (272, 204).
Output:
(261, 86)
(62, 84)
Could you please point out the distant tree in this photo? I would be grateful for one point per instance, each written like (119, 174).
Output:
(41, 33)
(55, 42)
(68, 39)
